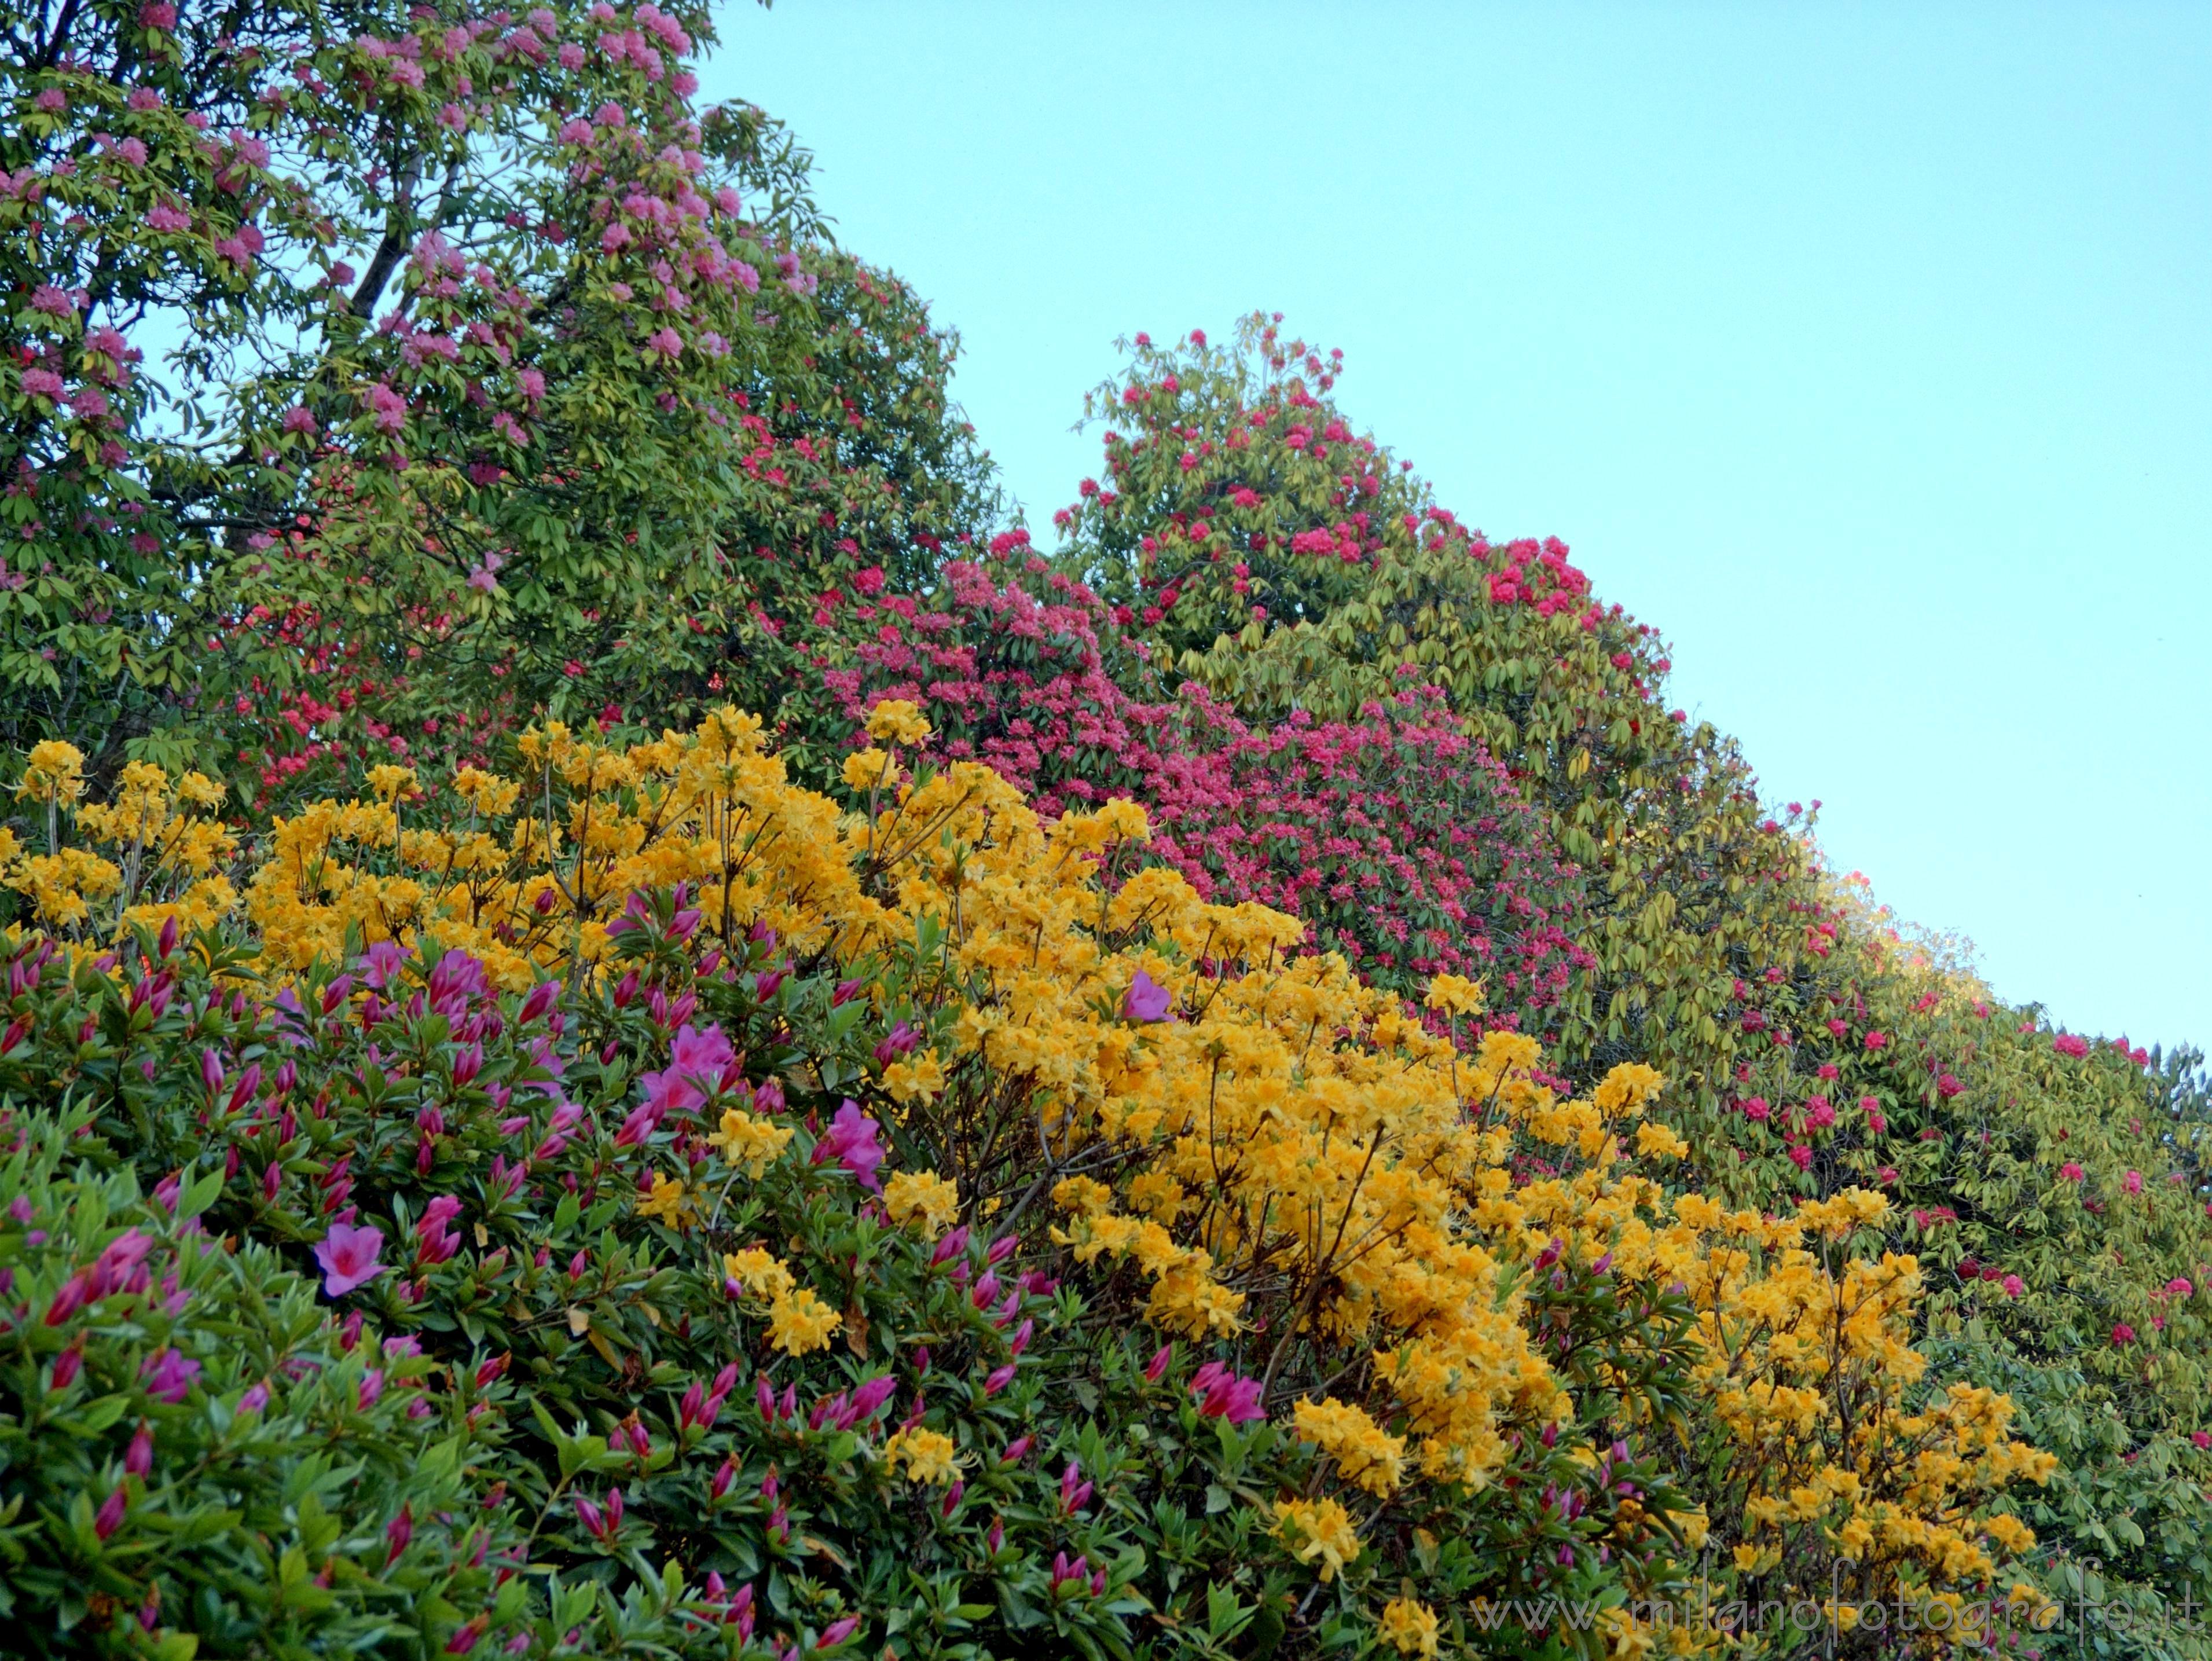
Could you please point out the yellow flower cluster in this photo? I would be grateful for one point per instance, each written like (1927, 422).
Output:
(163, 858)
(1364, 1453)
(747, 1140)
(1318, 1531)
(927, 1455)
(798, 1322)
(537, 889)
(1409, 1627)
(922, 1196)
(669, 1202)
(1807, 1371)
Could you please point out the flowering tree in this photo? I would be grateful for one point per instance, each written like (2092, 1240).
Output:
(376, 370)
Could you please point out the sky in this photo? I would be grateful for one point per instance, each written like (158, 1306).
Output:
(1864, 349)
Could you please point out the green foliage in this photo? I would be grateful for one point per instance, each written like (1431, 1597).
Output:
(596, 417)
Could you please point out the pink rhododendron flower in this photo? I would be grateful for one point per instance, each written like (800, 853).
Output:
(1224, 1395)
(349, 1256)
(168, 1376)
(851, 1140)
(2067, 1044)
(1146, 1000)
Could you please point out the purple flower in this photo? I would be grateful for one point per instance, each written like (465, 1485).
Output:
(1146, 1000)
(43, 383)
(380, 963)
(348, 1258)
(852, 1142)
(120, 1262)
(701, 1056)
(111, 1513)
(1223, 1395)
(169, 1377)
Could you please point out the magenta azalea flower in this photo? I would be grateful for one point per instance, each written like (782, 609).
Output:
(168, 1376)
(702, 1055)
(851, 1140)
(1223, 1395)
(1146, 1000)
(349, 1256)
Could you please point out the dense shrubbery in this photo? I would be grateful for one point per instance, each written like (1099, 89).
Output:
(1039, 1175)
(1400, 842)
(796, 1067)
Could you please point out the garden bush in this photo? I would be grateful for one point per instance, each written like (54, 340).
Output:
(1401, 844)
(799, 1065)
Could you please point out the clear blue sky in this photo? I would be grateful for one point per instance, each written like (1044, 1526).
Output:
(1865, 350)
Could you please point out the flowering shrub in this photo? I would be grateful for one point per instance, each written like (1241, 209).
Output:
(510, 381)
(1253, 542)
(798, 1062)
(1394, 837)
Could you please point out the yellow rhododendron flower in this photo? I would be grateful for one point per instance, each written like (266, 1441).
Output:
(760, 1272)
(668, 1201)
(1317, 1531)
(390, 781)
(1365, 1453)
(1409, 1627)
(925, 1196)
(747, 1140)
(897, 721)
(800, 1323)
(486, 793)
(55, 772)
(865, 769)
(919, 1078)
(1457, 994)
(927, 1455)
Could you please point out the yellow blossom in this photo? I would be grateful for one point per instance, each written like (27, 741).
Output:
(390, 781)
(1364, 1453)
(1457, 994)
(668, 1203)
(865, 769)
(760, 1272)
(799, 1322)
(923, 1196)
(927, 1455)
(750, 1141)
(897, 721)
(1317, 1531)
(1409, 1627)
(55, 772)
